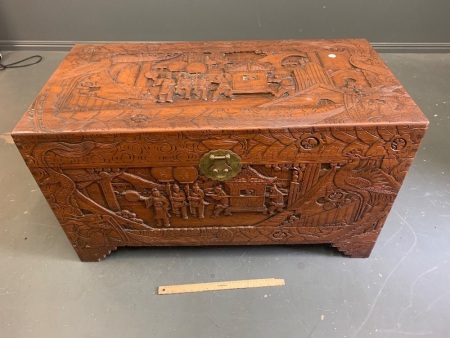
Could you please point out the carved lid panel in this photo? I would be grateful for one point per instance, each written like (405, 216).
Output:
(243, 85)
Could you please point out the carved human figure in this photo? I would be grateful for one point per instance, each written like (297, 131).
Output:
(197, 201)
(210, 63)
(301, 171)
(160, 205)
(352, 86)
(178, 199)
(276, 198)
(185, 85)
(224, 87)
(287, 87)
(167, 88)
(201, 90)
(286, 83)
(222, 201)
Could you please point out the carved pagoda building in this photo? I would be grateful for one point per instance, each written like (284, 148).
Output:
(247, 191)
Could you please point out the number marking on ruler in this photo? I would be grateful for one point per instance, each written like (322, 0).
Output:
(215, 286)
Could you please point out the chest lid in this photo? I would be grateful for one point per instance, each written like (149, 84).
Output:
(243, 85)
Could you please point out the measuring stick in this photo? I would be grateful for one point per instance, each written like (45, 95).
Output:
(214, 286)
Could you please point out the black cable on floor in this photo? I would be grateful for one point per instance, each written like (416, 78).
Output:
(18, 64)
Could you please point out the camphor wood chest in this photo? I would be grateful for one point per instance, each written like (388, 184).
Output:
(217, 143)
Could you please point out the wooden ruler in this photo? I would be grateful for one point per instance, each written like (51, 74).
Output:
(214, 286)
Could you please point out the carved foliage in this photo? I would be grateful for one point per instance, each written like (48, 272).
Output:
(287, 146)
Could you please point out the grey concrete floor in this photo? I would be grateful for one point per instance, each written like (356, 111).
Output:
(401, 290)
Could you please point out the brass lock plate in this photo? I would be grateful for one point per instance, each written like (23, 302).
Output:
(220, 165)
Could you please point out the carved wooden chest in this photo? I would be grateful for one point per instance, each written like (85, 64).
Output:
(217, 143)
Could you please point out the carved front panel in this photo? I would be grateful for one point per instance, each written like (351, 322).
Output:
(334, 202)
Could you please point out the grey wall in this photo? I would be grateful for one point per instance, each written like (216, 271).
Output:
(392, 21)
